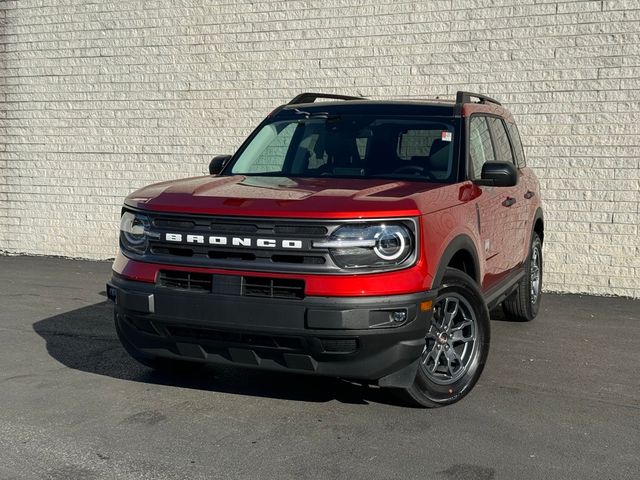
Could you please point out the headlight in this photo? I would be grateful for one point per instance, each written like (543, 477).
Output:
(133, 232)
(367, 246)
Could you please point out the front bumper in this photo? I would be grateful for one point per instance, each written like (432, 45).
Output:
(332, 336)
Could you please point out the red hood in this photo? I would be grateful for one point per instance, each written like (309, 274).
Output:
(286, 197)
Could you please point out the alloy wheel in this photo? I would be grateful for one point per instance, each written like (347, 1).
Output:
(451, 342)
(535, 268)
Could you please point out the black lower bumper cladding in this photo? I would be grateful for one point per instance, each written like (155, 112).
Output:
(365, 338)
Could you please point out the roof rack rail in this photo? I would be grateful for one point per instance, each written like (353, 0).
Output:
(465, 97)
(309, 97)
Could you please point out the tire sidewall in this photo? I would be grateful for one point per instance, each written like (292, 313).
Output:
(424, 388)
(534, 307)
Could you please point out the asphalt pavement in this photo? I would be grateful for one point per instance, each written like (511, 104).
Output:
(559, 399)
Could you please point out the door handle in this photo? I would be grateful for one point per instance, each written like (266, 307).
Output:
(509, 201)
(529, 194)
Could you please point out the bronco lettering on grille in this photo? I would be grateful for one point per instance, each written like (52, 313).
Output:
(232, 241)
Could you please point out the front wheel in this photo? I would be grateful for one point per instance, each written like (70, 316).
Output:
(456, 344)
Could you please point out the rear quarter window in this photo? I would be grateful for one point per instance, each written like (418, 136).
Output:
(517, 145)
(501, 141)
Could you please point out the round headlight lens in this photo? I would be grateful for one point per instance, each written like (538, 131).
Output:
(133, 232)
(391, 243)
(369, 245)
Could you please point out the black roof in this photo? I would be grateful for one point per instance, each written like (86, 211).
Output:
(375, 107)
(343, 104)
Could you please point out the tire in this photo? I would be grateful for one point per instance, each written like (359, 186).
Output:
(442, 381)
(523, 304)
(168, 366)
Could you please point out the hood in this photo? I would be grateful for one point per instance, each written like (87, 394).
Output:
(285, 197)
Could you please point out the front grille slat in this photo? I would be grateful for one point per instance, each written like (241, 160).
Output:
(301, 230)
(304, 259)
(174, 223)
(232, 284)
(230, 255)
(235, 228)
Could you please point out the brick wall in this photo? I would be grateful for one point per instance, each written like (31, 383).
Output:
(100, 97)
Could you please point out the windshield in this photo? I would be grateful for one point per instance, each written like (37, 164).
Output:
(321, 145)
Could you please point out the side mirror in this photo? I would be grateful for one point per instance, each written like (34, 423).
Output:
(498, 174)
(218, 163)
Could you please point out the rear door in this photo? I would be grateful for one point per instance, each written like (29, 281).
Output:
(529, 198)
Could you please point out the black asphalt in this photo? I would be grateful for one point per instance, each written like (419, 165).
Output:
(559, 399)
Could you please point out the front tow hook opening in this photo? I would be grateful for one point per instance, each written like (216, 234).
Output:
(112, 293)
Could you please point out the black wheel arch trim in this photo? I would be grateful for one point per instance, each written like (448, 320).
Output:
(460, 243)
(539, 215)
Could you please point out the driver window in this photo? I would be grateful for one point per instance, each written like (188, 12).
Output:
(480, 147)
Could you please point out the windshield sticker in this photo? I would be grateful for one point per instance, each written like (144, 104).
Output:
(447, 136)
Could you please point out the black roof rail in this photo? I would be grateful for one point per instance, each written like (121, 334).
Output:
(465, 97)
(309, 97)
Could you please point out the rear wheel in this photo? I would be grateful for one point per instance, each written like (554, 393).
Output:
(523, 304)
(456, 344)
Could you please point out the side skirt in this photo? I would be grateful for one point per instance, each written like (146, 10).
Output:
(505, 288)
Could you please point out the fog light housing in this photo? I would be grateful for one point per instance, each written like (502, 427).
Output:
(391, 318)
(398, 316)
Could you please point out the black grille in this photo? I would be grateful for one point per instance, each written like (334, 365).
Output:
(232, 284)
(195, 282)
(272, 287)
(243, 243)
(245, 252)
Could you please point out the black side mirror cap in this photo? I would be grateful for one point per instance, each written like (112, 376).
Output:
(498, 174)
(218, 163)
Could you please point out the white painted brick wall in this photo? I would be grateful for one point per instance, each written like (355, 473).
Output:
(101, 97)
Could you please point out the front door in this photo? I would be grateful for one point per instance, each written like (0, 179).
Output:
(499, 221)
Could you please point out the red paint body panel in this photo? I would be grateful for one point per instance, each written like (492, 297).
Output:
(500, 235)
(282, 197)
(414, 279)
(318, 199)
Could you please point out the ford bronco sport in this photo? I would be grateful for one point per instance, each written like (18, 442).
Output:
(359, 239)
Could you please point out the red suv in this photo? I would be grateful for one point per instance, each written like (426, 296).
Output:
(359, 239)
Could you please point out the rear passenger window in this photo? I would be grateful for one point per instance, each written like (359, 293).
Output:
(517, 145)
(480, 148)
(501, 140)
